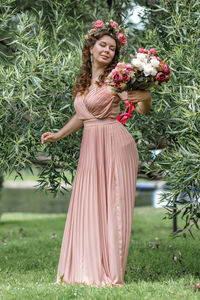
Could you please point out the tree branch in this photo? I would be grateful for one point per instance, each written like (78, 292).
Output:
(109, 2)
(46, 160)
(6, 43)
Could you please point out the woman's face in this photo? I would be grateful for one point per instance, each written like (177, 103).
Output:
(104, 50)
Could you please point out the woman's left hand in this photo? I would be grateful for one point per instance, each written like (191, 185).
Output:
(138, 96)
(141, 99)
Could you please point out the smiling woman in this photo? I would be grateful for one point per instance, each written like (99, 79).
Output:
(100, 56)
(97, 231)
(104, 49)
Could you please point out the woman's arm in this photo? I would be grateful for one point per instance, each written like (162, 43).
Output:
(73, 125)
(141, 99)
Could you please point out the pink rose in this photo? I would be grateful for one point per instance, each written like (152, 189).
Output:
(166, 69)
(167, 78)
(158, 58)
(160, 77)
(129, 67)
(153, 51)
(113, 24)
(141, 50)
(98, 24)
(117, 78)
(121, 37)
(126, 77)
(115, 71)
(121, 65)
(146, 51)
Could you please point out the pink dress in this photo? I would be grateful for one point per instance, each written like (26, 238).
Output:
(98, 225)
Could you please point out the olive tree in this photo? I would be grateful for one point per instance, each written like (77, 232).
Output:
(40, 46)
(173, 125)
(40, 53)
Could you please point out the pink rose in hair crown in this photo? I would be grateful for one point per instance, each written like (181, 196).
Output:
(113, 24)
(121, 37)
(99, 24)
(112, 27)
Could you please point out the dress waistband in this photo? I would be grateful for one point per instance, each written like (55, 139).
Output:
(91, 122)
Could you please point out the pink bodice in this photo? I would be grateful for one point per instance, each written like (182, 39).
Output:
(98, 104)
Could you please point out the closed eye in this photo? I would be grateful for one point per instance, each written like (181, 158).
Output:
(111, 48)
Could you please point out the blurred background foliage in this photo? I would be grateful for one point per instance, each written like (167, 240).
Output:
(40, 54)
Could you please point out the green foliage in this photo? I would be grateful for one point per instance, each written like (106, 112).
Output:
(38, 73)
(40, 54)
(36, 96)
(173, 124)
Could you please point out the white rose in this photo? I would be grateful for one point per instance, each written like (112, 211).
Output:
(155, 62)
(138, 64)
(154, 72)
(149, 70)
(141, 56)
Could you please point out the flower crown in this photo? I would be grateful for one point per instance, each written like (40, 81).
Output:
(112, 27)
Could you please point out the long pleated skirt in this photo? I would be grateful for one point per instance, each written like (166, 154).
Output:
(98, 225)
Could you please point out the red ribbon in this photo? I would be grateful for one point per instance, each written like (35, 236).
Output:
(126, 115)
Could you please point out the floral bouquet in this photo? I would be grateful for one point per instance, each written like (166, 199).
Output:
(146, 71)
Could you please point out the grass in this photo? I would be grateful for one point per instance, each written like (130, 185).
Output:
(158, 266)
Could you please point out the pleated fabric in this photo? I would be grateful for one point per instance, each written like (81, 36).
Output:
(98, 225)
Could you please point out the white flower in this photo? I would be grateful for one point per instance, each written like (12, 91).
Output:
(154, 72)
(155, 62)
(132, 74)
(149, 70)
(138, 64)
(142, 57)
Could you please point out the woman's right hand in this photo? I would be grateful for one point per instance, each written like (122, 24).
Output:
(50, 137)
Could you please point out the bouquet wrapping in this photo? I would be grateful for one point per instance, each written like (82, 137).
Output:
(146, 71)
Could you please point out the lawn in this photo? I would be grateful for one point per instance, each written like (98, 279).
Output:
(158, 266)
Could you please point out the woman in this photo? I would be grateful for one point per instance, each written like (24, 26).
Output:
(97, 232)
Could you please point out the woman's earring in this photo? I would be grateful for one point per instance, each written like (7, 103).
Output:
(91, 57)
